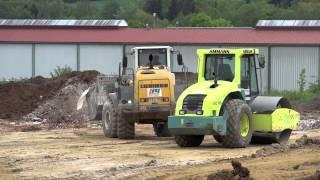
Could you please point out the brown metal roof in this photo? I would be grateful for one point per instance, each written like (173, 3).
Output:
(167, 36)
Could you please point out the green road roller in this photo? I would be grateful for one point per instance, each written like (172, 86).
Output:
(226, 104)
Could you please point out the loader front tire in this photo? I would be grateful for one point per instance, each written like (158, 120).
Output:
(189, 140)
(126, 129)
(109, 121)
(239, 124)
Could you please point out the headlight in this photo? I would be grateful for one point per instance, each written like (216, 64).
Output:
(182, 112)
(199, 112)
(166, 99)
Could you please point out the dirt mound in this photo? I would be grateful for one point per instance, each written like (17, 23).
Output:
(238, 172)
(315, 176)
(277, 148)
(310, 114)
(309, 107)
(21, 98)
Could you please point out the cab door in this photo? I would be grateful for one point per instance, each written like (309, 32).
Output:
(249, 81)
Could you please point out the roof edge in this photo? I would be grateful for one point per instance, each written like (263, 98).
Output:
(61, 23)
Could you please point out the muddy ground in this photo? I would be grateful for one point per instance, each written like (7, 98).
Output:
(87, 154)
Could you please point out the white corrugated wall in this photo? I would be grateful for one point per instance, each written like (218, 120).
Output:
(189, 54)
(288, 62)
(15, 60)
(49, 56)
(103, 58)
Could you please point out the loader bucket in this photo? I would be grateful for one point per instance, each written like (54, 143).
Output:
(82, 99)
(89, 96)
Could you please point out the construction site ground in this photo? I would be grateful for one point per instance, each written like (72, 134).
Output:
(86, 153)
(43, 136)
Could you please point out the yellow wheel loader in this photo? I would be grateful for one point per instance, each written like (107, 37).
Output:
(144, 93)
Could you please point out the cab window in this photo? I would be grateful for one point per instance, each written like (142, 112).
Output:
(221, 66)
(159, 57)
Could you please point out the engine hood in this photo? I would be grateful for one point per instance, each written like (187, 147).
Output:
(215, 95)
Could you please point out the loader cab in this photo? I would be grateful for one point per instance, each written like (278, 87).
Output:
(154, 56)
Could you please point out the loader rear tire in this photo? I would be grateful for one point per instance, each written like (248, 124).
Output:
(161, 130)
(126, 129)
(239, 124)
(189, 140)
(109, 121)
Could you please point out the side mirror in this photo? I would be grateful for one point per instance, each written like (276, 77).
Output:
(125, 62)
(179, 58)
(262, 61)
(150, 57)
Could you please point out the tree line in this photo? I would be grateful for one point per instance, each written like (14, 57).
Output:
(164, 13)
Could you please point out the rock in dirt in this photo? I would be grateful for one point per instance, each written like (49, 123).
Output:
(30, 128)
(271, 149)
(238, 172)
(277, 148)
(315, 176)
(152, 162)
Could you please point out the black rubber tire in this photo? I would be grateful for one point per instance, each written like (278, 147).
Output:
(233, 138)
(161, 130)
(109, 121)
(126, 129)
(262, 140)
(189, 140)
(218, 138)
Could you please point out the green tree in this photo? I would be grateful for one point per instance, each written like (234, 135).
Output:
(154, 6)
(173, 10)
(110, 9)
(302, 80)
(220, 22)
(188, 6)
(140, 19)
(84, 10)
(306, 10)
(201, 20)
(182, 20)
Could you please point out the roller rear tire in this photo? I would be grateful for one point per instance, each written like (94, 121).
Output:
(189, 140)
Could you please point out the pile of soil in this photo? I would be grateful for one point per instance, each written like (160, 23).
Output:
(238, 172)
(23, 97)
(310, 109)
(278, 148)
(310, 114)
